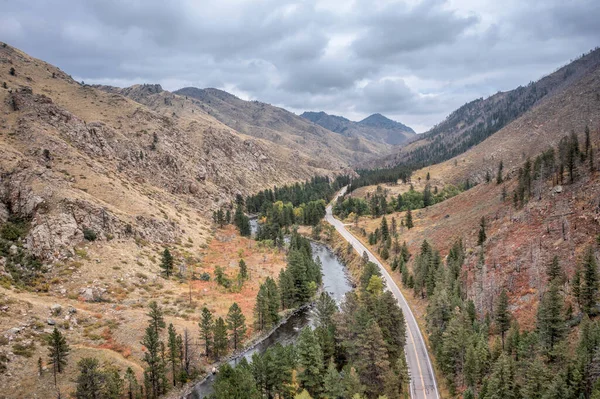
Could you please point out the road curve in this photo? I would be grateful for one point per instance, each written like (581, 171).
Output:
(422, 381)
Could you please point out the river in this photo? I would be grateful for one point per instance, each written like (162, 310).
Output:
(335, 281)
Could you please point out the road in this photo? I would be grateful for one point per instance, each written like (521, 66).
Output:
(423, 384)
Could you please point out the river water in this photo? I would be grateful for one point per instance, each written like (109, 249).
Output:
(335, 281)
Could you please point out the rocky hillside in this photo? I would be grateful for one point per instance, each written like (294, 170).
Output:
(93, 187)
(282, 127)
(375, 127)
(476, 121)
(75, 158)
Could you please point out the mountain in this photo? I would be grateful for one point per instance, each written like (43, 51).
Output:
(481, 118)
(284, 128)
(78, 158)
(375, 128)
(528, 237)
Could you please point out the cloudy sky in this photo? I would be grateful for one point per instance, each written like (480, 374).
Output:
(413, 61)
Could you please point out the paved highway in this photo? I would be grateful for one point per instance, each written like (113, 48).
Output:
(422, 384)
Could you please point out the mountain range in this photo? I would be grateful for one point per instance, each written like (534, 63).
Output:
(375, 127)
(96, 181)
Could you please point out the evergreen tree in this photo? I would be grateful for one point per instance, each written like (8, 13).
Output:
(166, 262)
(113, 383)
(242, 222)
(310, 360)
(243, 270)
(206, 330)
(372, 363)
(157, 320)
(132, 384)
(385, 233)
(235, 383)
(427, 197)
(286, 289)
(550, 321)
(154, 371)
(554, 271)
(90, 381)
(408, 220)
(589, 284)
(502, 315)
(174, 352)
(58, 351)
(332, 383)
(273, 301)
(482, 236)
(502, 383)
(219, 338)
(236, 323)
(325, 309)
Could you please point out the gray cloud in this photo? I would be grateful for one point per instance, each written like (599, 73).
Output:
(415, 63)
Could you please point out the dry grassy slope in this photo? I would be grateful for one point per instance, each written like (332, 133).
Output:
(569, 110)
(283, 127)
(100, 172)
(451, 132)
(520, 243)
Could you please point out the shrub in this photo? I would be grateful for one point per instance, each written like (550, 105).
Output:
(205, 276)
(12, 71)
(13, 230)
(89, 234)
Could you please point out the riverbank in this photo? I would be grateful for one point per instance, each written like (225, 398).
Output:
(336, 281)
(187, 390)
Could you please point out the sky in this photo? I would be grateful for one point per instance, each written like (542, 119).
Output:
(413, 61)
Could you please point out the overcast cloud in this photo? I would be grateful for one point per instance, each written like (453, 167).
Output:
(413, 61)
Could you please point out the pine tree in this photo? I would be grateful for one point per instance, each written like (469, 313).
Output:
(206, 330)
(58, 351)
(113, 383)
(482, 236)
(273, 300)
(173, 352)
(589, 285)
(243, 270)
(385, 233)
(502, 315)
(372, 363)
(325, 309)
(157, 320)
(502, 382)
(219, 338)
(408, 221)
(90, 381)
(132, 384)
(236, 323)
(166, 262)
(310, 360)
(499, 174)
(550, 321)
(554, 271)
(154, 371)
(427, 197)
(261, 308)
(332, 383)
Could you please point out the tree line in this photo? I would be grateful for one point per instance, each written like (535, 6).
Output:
(377, 203)
(353, 352)
(489, 356)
